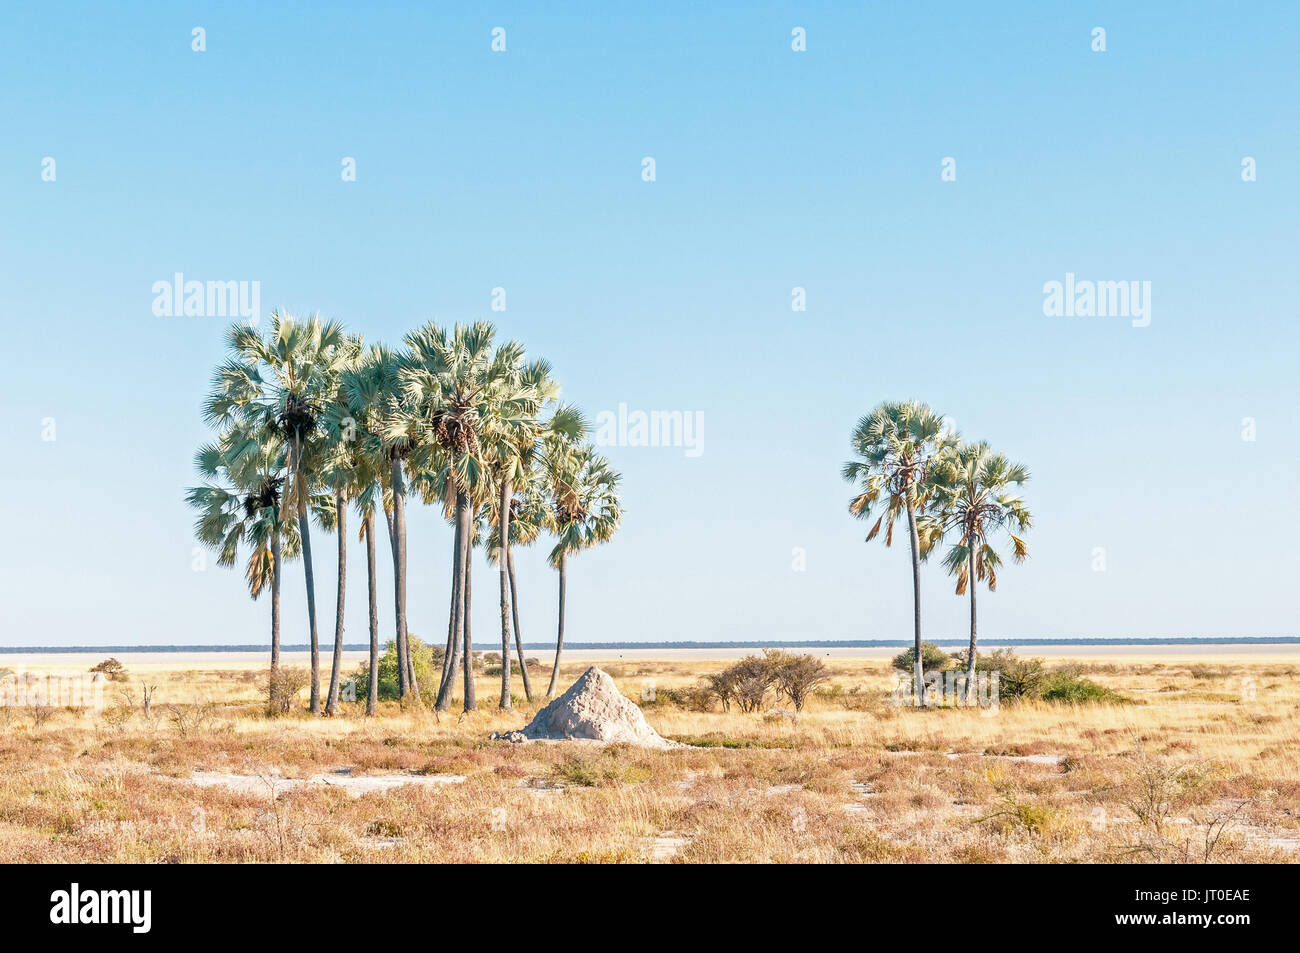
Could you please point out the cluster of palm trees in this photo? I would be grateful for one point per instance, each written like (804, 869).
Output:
(908, 461)
(311, 422)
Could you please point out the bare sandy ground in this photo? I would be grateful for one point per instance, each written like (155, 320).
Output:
(1128, 653)
(142, 662)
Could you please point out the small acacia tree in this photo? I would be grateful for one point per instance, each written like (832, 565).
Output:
(111, 669)
(747, 682)
(797, 676)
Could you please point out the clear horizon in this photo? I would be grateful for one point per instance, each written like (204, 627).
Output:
(775, 170)
(776, 643)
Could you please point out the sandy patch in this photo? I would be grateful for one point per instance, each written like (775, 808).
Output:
(355, 785)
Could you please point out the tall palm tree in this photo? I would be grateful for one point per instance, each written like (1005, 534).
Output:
(898, 445)
(367, 503)
(437, 487)
(583, 491)
(507, 455)
(281, 383)
(239, 504)
(369, 387)
(378, 390)
(514, 453)
(462, 395)
(348, 472)
(530, 514)
(974, 498)
(375, 397)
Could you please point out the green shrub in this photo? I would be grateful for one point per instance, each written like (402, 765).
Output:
(1036, 819)
(426, 660)
(933, 659)
(1068, 687)
(1021, 678)
(599, 770)
(1018, 678)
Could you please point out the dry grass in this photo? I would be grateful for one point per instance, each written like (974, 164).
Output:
(1197, 769)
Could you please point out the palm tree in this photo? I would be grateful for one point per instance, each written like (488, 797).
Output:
(239, 503)
(367, 506)
(348, 473)
(438, 487)
(530, 514)
(377, 391)
(973, 498)
(460, 396)
(897, 445)
(583, 491)
(515, 451)
(282, 383)
(509, 452)
(368, 387)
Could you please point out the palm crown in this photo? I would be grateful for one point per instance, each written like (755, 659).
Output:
(584, 499)
(355, 424)
(897, 445)
(582, 495)
(239, 503)
(462, 400)
(973, 498)
(283, 381)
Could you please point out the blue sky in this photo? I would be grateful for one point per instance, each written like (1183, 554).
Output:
(774, 169)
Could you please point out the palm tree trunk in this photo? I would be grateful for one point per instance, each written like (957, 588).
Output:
(467, 659)
(372, 699)
(411, 681)
(456, 624)
(444, 692)
(917, 672)
(514, 612)
(276, 563)
(412, 684)
(304, 530)
(503, 531)
(399, 580)
(341, 514)
(392, 545)
(971, 694)
(559, 635)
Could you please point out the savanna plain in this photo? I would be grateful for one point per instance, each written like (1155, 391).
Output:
(1186, 757)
